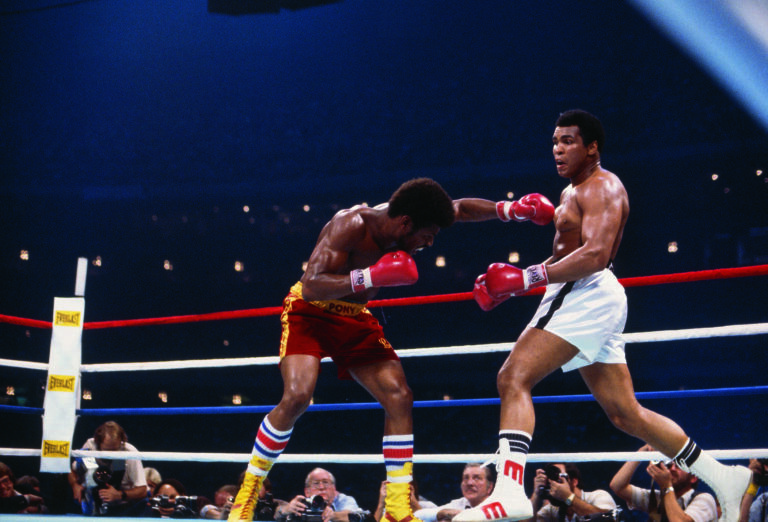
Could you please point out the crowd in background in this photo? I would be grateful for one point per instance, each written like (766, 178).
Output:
(112, 487)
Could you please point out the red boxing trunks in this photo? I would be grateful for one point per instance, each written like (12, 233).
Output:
(346, 332)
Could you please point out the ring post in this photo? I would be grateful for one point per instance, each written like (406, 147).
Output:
(82, 270)
(62, 390)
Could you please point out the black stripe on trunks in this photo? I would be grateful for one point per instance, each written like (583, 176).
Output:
(555, 305)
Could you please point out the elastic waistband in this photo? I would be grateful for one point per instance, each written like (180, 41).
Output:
(334, 306)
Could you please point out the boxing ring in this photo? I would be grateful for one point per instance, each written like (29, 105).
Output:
(455, 352)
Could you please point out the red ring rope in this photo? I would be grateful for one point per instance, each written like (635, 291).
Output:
(683, 277)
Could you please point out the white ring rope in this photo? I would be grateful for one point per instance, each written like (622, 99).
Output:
(24, 364)
(642, 337)
(239, 458)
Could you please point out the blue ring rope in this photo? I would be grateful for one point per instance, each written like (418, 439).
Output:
(21, 409)
(712, 392)
(226, 410)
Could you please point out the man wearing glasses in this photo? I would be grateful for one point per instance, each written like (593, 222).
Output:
(335, 507)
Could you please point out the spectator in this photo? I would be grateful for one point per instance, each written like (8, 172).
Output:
(566, 499)
(153, 479)
(30, 485)
(112, 487)
(222, 502)
(758, 510)
(170, 500)
(11, 500)
(477, 483)
(754, 505)
(320, 483)
(676, 500)
(417, 501)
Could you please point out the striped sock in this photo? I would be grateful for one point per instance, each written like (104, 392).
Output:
(398, 454)
(269, 444)
(519, 441)
(688, 455)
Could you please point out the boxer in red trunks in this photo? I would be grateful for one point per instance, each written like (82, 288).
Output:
(360, 250)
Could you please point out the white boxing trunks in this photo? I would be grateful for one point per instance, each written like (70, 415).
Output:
(590, 314)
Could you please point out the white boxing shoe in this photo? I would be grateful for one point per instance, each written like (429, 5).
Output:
(508, 501)
(730, 485)
(498, 508)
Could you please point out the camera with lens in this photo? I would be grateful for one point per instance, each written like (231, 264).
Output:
(553, 473)
(100, 478)
(265, 508)
(314, 512)
(183, 506)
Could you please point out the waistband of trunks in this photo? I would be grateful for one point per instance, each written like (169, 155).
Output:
(334, 306)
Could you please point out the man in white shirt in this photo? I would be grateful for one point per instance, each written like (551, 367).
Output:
(676, 500)
(477, 482)
(562, 499)
(109, 486)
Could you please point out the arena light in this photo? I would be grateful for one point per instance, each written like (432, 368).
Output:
(727, 37)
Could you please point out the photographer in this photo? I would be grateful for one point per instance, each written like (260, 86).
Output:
(320, 502)
(676, 499)
(557, 495)
(12, 500)
(754, 505)
(170, 500)
(109, 487)
(222, 503)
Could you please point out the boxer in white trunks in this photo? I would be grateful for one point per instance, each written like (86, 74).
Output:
(579, 326)
(599, 303)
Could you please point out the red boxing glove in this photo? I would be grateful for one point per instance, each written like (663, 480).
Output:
(393, 269)
(506, 280)
(543, 209)
(483, 298)
(533, 207)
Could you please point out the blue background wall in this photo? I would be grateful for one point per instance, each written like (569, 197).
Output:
(137, 131)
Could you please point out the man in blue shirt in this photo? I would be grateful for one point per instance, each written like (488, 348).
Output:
(320, 483)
